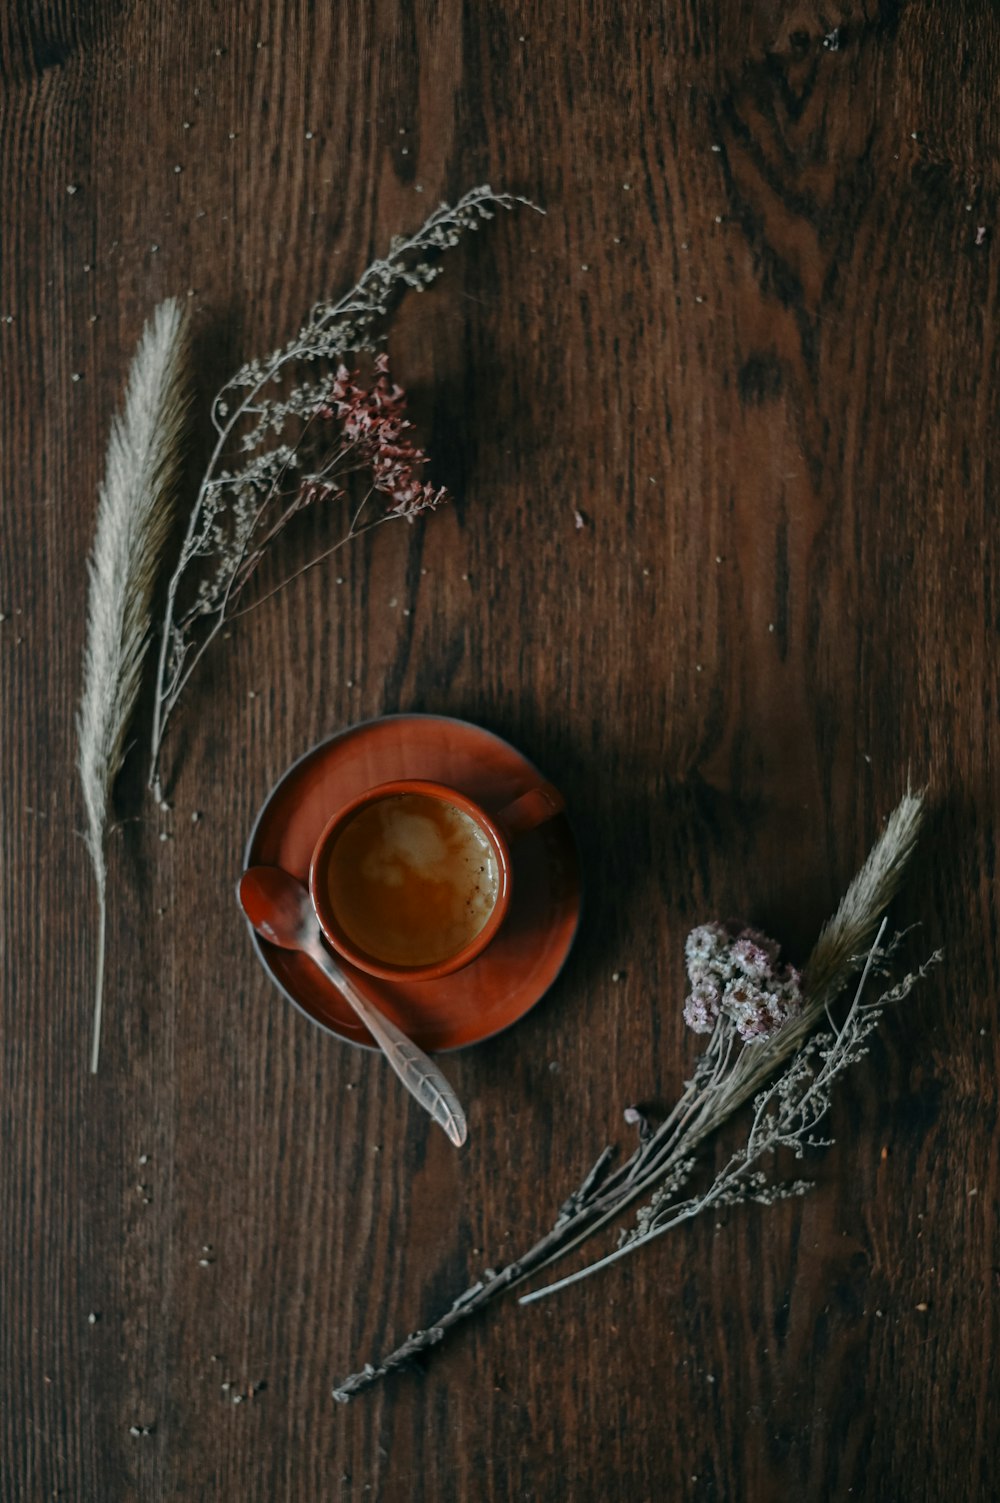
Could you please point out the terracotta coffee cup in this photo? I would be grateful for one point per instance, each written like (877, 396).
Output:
(497, 830)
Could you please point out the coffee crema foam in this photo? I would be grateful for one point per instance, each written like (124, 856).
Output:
(412, 880)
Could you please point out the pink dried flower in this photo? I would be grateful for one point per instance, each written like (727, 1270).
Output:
(316, 490)
(757, 1012)
(375, 427)
(752, 958)
(705, 944)
(702, 1007)
(735, 973)
(760, 941)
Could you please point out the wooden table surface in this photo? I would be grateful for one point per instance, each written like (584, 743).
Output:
(754, 342)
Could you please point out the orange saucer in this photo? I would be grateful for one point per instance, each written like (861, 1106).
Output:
(528, 953)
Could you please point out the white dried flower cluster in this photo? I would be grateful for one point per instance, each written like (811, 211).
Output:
(267, 462)
(736, 973)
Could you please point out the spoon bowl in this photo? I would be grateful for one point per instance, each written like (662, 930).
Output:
(277, 906)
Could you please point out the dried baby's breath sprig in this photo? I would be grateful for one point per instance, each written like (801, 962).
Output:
(269, 460)
(361, 428)
(134, 515)
(763, 1019)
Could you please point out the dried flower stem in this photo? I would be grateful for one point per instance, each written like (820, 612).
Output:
(726, 1076)
(257, 479)
(135, 511)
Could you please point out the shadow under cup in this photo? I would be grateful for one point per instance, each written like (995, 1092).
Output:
(411, 880)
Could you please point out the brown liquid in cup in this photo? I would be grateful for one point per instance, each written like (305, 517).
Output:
(412, 880)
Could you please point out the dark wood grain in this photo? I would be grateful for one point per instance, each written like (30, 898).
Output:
(755, 342)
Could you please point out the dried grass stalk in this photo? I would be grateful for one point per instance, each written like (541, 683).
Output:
(134, 517)
(849, 932)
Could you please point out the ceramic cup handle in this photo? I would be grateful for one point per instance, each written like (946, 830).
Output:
(531, 809)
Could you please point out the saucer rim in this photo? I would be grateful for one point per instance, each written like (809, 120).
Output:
(289, 772)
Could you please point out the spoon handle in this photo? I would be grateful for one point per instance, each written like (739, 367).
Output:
(420, 1075)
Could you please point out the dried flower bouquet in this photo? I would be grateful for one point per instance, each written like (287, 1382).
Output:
(773, 1042)
(289, 430)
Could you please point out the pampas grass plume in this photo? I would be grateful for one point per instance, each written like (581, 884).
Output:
(841, 951)
(134, 517)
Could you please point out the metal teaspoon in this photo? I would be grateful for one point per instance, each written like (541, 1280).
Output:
(281, 911)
